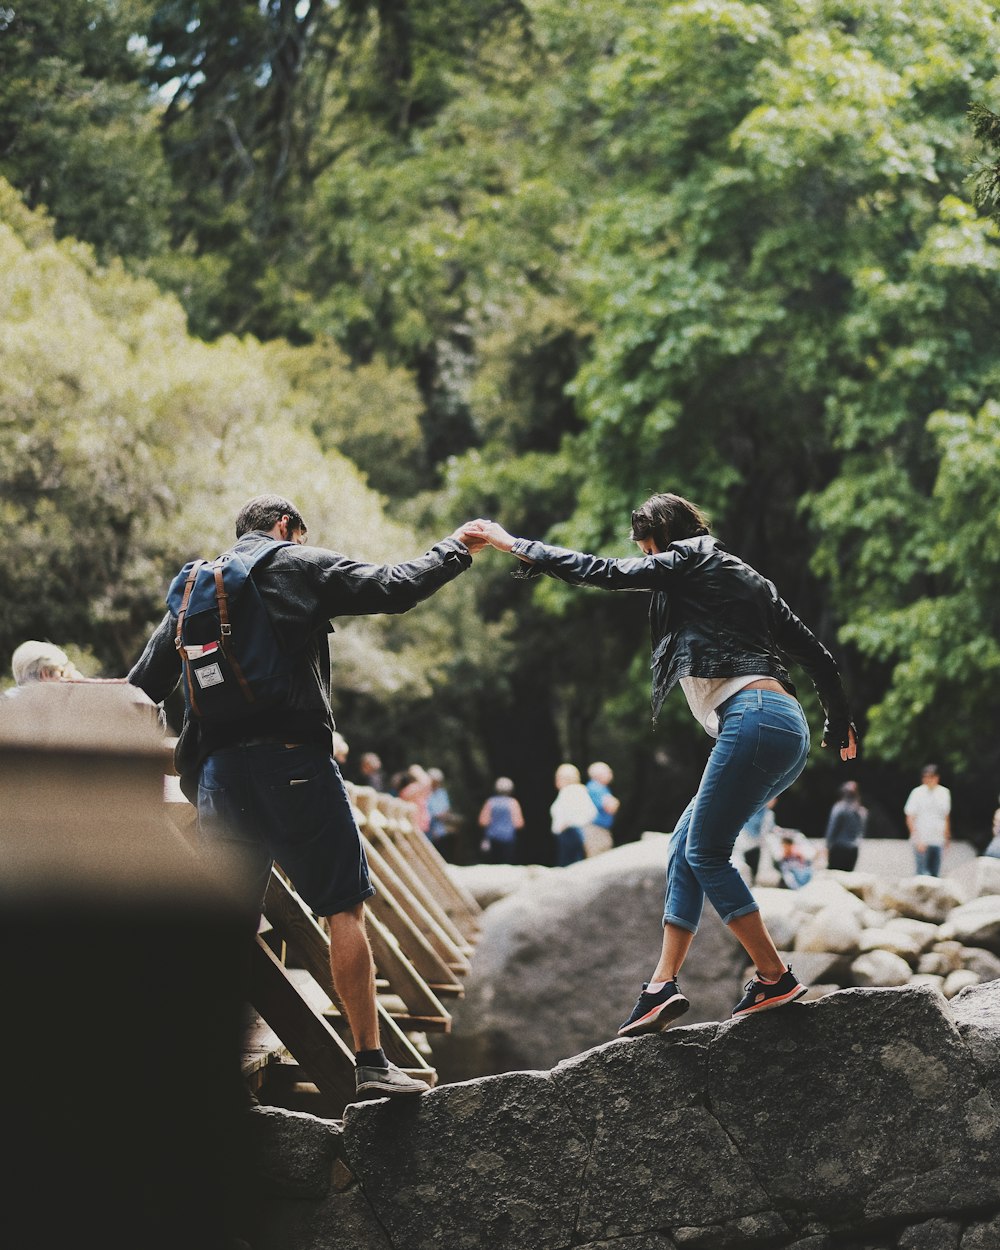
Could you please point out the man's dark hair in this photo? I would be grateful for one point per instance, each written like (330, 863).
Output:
(667, 519)
(930, 770)
(263, 512)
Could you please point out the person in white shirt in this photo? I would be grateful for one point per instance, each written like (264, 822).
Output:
(928, 818)
(571, 811)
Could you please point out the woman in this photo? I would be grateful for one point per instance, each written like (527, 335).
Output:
(720, 630)
(572, 809)
(501, 819)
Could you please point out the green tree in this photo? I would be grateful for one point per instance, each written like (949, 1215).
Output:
(79, 134)
(127, 447)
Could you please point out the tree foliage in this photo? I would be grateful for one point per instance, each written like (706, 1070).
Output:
(127, 447)
(535, 260)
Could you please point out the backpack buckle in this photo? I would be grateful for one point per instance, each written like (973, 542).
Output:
(226, 630)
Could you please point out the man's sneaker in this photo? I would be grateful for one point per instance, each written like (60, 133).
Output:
(653, 1012)
(760, 996)
(388, 1082)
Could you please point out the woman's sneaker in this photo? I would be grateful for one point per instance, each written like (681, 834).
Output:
(653, 1012)
(760, 996)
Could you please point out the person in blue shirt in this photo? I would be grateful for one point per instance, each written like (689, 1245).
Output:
(597, 836)
(500, 820)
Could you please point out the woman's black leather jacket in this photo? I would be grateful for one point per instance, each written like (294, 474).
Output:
(710, 615)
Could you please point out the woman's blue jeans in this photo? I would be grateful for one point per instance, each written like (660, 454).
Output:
(762, 747)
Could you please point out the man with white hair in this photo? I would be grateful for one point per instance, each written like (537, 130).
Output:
(40, 661)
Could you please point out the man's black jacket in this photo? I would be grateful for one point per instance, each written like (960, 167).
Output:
(302, 588)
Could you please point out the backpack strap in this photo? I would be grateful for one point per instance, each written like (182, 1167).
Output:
(188, 587)
(226, 633)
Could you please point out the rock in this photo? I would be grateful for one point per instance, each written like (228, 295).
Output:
(488, 883)
(560, 963)
(497, 1162)
(920, 898)
(955, 982)
(292, 1152)
(780, 914)
(926, 978)
(976, 923)
(881, 1166)
(893, 940)
(879, 967)
(819, 966)
(340, 1221)
(658, 1143)
(818, 990)
(646, 1241)
(942, 959)
(921, 931)
(976, 1011)
(830, 929)
(823, 892)
(863, 885)
(983, 963)
(982, 1235)
(986, 879)
(934, 1234)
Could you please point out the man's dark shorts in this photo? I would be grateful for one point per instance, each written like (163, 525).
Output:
(268, 801)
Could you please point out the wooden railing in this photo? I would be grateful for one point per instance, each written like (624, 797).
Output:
(86, 815)
(422, 928)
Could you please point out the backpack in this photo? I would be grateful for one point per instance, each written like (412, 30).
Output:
(233, 663)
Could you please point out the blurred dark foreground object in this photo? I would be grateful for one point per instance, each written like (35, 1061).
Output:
(122, 962)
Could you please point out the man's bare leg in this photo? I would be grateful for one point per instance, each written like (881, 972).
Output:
(353, 970)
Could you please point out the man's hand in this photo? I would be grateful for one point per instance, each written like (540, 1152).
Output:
(471, 537)
(494, 534)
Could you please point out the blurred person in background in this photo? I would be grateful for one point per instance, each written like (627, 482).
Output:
(597, 836)
(501, 819)
(845, 828)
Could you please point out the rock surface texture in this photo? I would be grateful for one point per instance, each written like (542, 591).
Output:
(867, 1120)
(562, 958)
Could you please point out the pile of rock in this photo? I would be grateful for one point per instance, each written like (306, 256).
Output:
(855, 930)
(564, 950)
(867, 1121)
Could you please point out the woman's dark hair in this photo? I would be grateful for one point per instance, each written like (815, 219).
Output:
(263, 512)
(667, 519)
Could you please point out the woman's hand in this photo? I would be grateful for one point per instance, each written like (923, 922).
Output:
(851, 750)
(493, 533)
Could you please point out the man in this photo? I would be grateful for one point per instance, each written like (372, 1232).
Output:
(928, 818)
(41, 661)
(267, 784)
(845, 827)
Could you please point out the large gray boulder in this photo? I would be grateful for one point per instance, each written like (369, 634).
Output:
(561, 961)
(869, 1118)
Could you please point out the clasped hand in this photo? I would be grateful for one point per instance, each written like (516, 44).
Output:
(483, 533)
